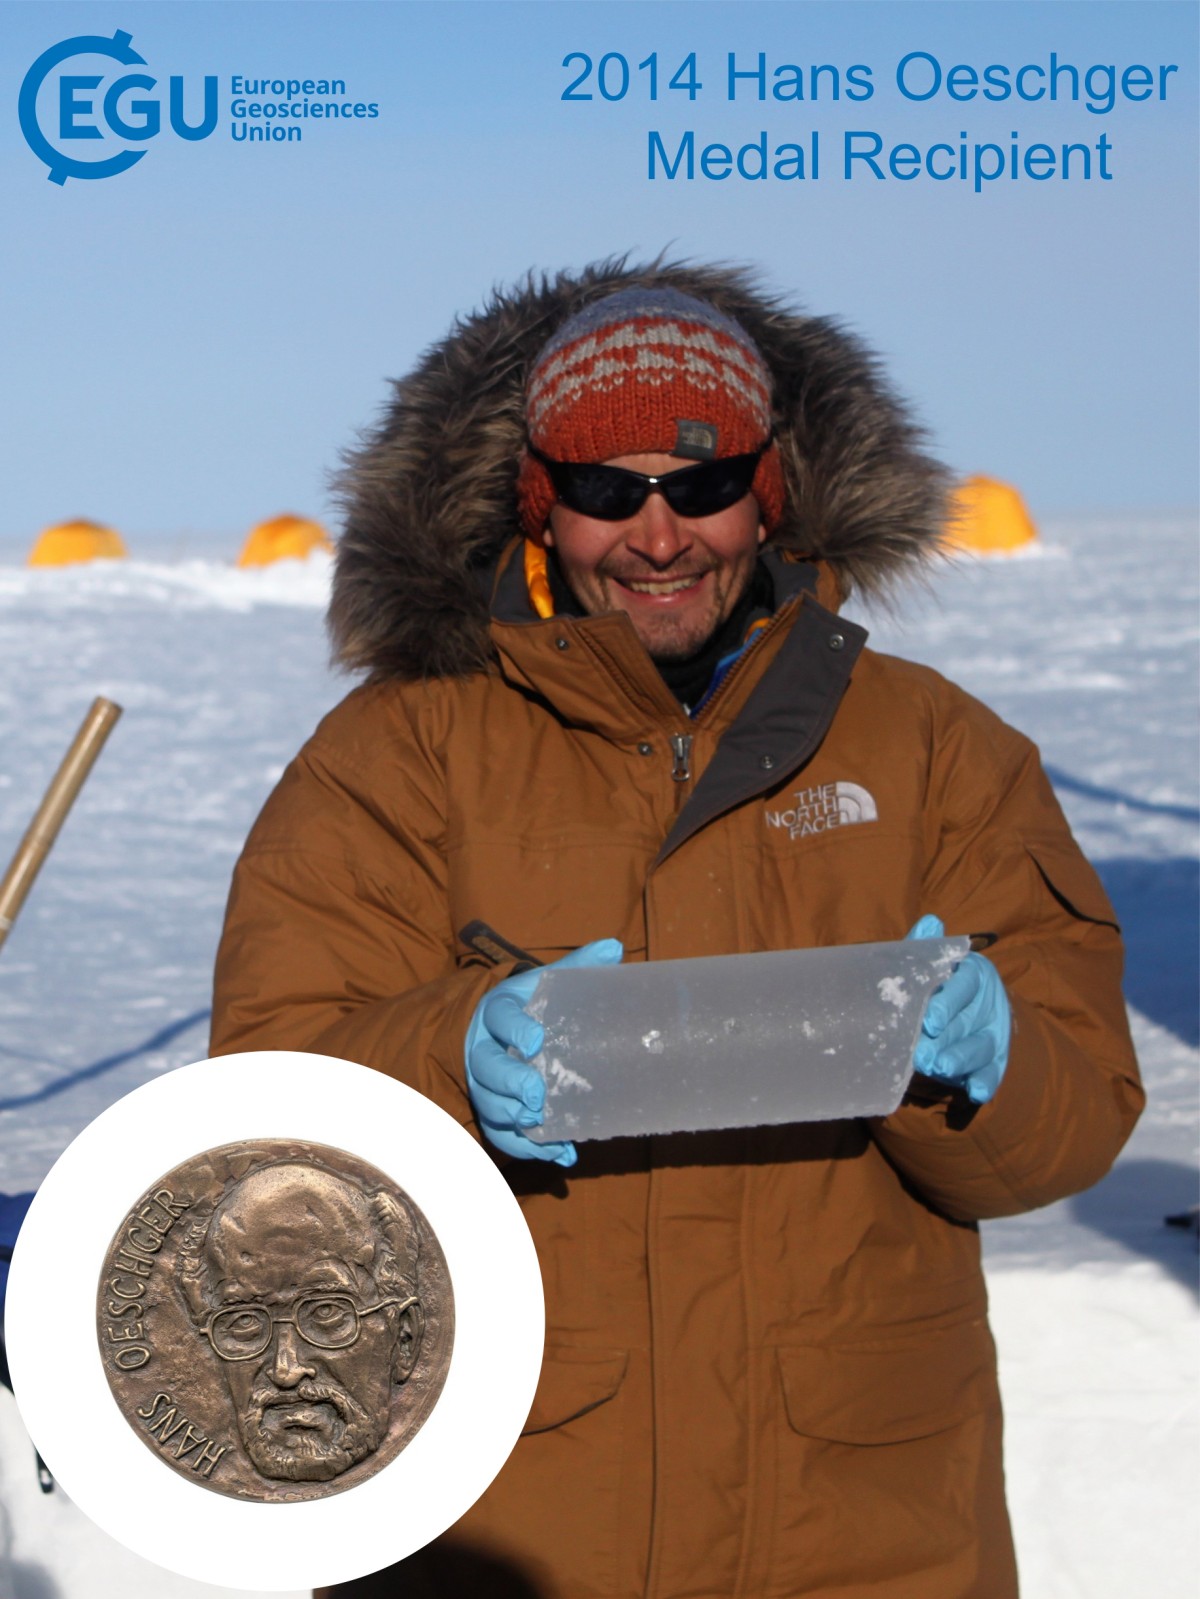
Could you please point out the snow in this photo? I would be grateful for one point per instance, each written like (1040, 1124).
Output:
(893, 992)
(1087, 643)
(560, 1078)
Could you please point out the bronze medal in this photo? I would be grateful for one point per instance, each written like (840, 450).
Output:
(275, 1319)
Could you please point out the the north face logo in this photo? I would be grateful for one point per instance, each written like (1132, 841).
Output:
(817, 810)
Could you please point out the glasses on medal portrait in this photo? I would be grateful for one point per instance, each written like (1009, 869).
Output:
(326, 1321)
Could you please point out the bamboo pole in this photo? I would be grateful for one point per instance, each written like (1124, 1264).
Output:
(52, 812)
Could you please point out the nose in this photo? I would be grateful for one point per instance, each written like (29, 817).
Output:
(658, 535)
(287, 1368)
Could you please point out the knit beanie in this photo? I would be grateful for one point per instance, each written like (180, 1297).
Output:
(647, 370)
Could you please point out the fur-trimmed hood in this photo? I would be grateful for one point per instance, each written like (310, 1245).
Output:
(430, 497)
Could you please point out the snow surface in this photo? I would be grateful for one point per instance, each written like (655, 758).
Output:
(1088, 644)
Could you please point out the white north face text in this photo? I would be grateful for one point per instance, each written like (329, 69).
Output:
(817, 810)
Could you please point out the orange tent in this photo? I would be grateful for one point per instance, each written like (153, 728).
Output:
(68, 543)
(989, 517)
(283, 538)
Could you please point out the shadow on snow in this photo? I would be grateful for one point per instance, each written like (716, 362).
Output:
(1156, 904)
(1129, 1206)
(164, 1036)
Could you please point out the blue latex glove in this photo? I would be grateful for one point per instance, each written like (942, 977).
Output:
(965, 1035)
(507, 1095)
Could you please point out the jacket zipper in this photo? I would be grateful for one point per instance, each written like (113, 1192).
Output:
(735, 671)
(681, 745)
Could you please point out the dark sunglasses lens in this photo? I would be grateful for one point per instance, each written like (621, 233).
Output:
(605, 492)
(705, 490)
(611, 494)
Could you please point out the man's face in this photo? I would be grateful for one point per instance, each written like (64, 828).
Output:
(677, 579)
(306, 1413)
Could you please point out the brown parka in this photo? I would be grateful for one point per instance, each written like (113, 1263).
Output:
(768, 1369)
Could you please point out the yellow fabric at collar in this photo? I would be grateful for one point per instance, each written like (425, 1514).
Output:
(537, 580)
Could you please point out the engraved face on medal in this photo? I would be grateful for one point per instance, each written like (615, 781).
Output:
(275, 1319)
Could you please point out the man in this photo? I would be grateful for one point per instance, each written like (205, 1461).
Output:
(305, 1288)
(592, 563)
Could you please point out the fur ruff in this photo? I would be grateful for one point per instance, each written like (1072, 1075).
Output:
(430, 497)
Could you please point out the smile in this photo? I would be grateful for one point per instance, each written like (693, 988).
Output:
(659, 586)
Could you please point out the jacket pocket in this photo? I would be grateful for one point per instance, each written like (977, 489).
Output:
(1072, 881)
(573, 1381)
(548, 901)
(889, 1393)
(887, 1470)
(573, 1458)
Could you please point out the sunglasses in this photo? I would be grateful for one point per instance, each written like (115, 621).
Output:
(612, 494)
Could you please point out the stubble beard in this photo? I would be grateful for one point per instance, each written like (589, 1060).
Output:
(666, 637)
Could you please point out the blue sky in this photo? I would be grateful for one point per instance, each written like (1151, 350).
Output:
(196, 338)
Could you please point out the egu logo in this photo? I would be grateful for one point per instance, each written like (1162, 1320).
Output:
(50, 121)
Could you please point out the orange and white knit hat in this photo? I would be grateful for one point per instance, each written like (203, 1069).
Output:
(648, 370)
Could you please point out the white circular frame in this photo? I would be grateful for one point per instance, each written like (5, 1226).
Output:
(499, 1321)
